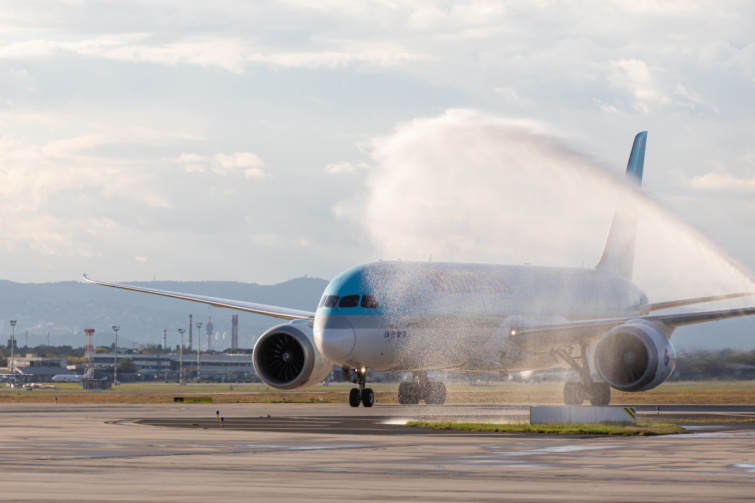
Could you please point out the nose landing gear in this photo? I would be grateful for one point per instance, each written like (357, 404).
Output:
(362, 395)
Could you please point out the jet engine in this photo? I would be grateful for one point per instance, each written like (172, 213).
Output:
(635, 357)
(286, 357)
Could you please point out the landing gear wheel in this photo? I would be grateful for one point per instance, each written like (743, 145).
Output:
(408, 393)
(434, 393)
(574, 393)
(354, 397)
(600, 394)
(368, 397)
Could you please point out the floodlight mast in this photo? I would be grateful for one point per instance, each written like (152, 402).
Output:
(181, 357)
(115, 360)
(12, 344)
(199, 345)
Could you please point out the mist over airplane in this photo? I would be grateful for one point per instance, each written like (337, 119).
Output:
(421, 317)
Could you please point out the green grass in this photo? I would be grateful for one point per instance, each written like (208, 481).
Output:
(193, 388)
(642, 428)
(708, 392)
(710, 420)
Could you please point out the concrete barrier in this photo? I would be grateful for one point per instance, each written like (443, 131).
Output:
(581, 415)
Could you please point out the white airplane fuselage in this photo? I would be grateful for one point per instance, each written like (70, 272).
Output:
(67, 378)
(454, 316)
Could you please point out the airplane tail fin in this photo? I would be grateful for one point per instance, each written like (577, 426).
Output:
(618, 255)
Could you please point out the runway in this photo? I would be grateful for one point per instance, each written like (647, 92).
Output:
(96, 453)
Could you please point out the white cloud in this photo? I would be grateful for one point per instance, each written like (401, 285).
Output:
(339, 168)
(608, 108)
(246, 164)
(47, 192)
(722, 181)
(137, 47)
(255, 173)
(513, 96)
(231, 54)
(346, 52)
(635, 77)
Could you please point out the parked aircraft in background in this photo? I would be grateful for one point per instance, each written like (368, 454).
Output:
(420, 317)
(67, 378)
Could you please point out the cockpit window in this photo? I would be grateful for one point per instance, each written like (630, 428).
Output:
(330, 301)
(322, 301)
(369, 302)
(349, 301)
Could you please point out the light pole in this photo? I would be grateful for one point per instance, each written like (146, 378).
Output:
(12, 342)
(199, 345)
(115, 365)
(181, 357)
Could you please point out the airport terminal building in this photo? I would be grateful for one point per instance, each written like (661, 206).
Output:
(220, 367)
(31, 367)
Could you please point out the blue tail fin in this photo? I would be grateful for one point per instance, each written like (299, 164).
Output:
(618, 255)
(637, 157)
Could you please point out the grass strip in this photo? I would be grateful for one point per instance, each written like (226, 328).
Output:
(642, 428)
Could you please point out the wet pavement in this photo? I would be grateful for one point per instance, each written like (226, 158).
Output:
(312, 452)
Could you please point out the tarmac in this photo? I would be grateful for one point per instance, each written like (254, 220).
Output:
(295, 452)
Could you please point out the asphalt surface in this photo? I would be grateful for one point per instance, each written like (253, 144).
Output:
(351, 422)
(332, 452)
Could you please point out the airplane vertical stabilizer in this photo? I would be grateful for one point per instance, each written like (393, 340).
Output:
(618, 255)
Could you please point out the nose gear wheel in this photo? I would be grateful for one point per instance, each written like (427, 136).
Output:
(362, 395)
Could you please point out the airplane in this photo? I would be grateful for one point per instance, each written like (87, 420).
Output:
(73, 377)
(420, 317)
(67, 378)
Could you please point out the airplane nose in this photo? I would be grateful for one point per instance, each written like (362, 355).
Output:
(334, 336)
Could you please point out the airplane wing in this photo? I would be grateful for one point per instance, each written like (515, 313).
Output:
(249, 307)
(645, 309)
(572, 332)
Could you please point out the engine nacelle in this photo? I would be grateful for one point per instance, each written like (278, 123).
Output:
(635, 357)
(286, 357)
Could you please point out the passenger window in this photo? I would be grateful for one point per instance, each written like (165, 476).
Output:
(369, 302)
(349, 301)
(331, 301)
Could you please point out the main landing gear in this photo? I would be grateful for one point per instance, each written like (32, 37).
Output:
(362, 395)
(411, 392)
(575, 393)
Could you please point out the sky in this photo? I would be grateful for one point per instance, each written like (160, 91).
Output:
(261, 141)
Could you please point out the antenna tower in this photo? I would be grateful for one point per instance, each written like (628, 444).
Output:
(89, 351)
(235, 331)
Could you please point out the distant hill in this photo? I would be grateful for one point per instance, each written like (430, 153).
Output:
(65, 309)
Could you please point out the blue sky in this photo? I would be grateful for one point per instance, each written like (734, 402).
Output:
(259, 141)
